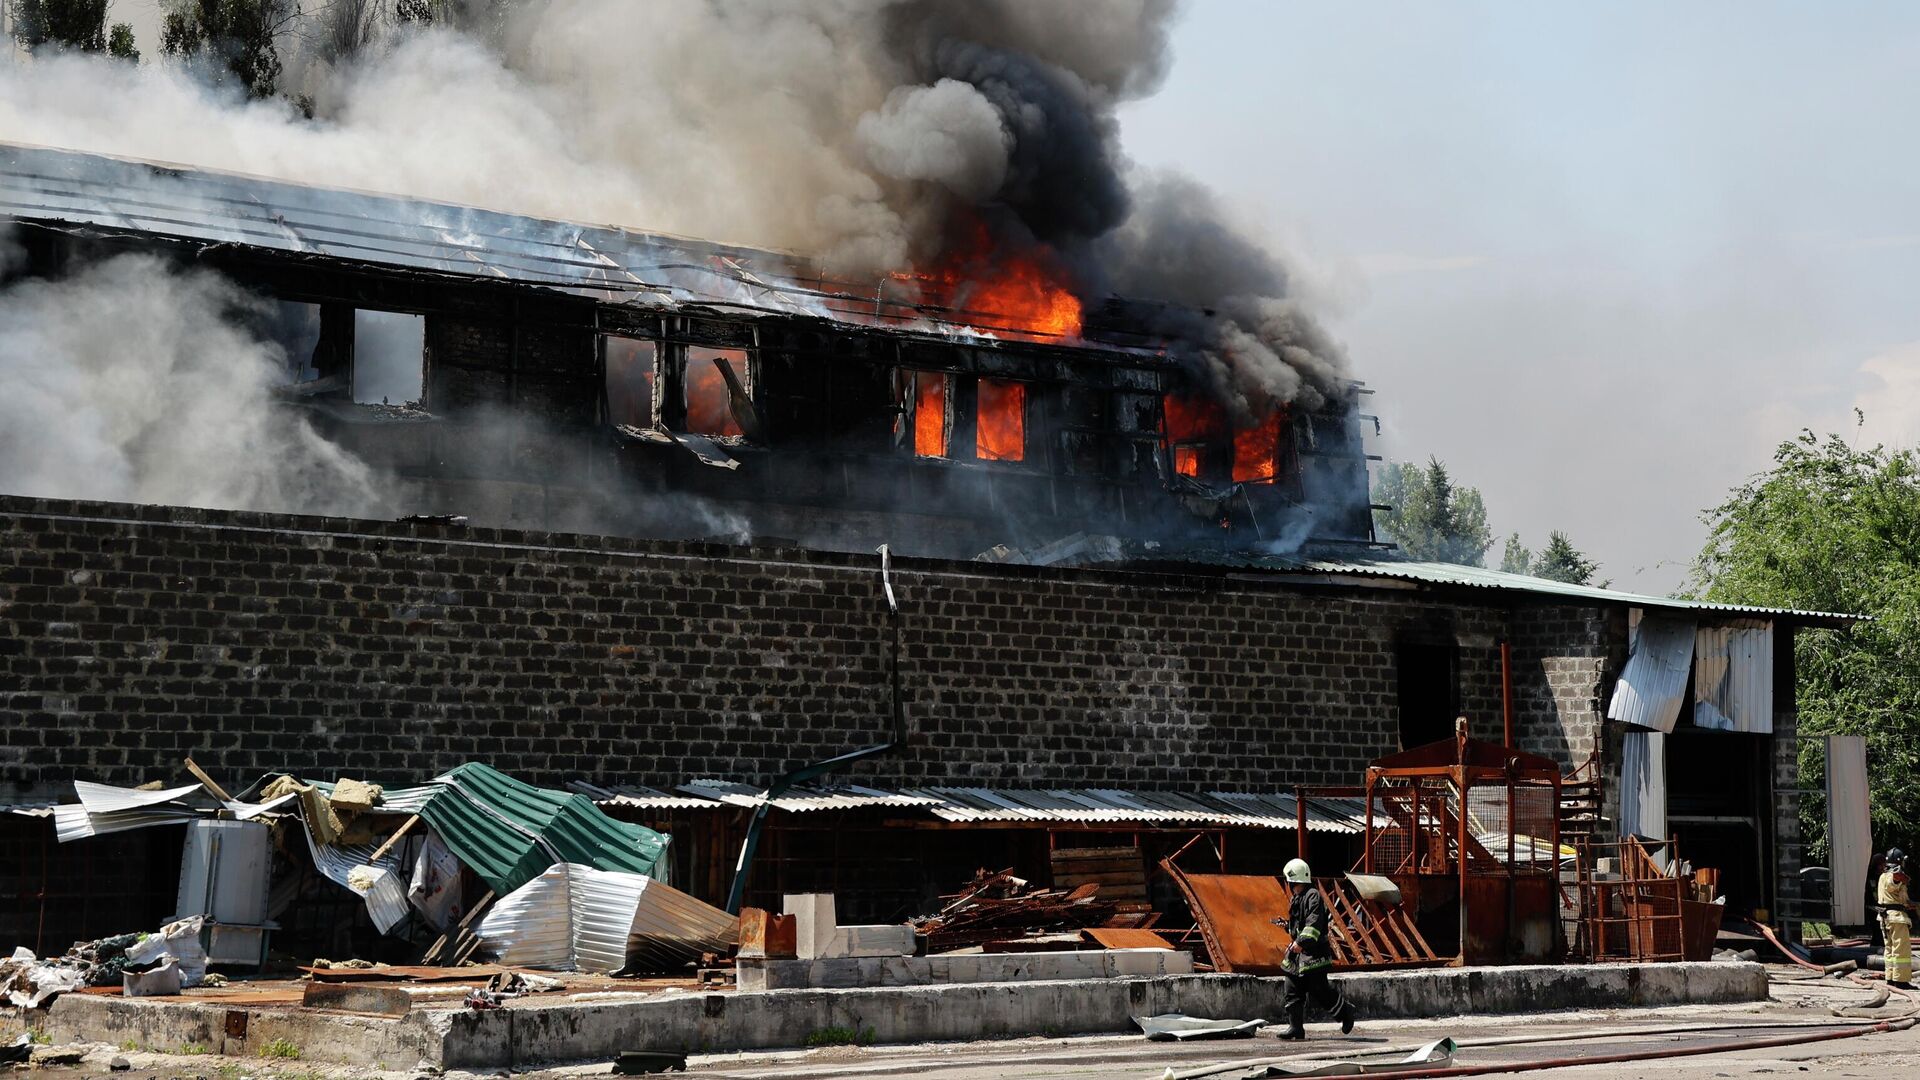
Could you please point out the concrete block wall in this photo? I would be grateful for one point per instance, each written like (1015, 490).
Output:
(1565, 659)
(133, 636)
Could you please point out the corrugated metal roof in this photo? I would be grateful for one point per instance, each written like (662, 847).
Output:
(1482, 578)
(638, 797)
(803, 799)
(1271, 810)
(618, 265)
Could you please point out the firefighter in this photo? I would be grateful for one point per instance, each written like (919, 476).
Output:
(1310, 955)
(1896, 920)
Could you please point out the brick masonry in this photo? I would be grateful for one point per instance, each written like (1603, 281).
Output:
(133, 636)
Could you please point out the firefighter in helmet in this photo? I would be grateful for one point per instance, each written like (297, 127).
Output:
(1896, 919)
(1310, 956)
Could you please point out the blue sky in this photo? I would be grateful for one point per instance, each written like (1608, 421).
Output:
(1600, 259)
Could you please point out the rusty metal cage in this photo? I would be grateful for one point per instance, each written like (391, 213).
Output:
(1470, 831)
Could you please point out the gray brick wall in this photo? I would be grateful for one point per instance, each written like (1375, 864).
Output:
(132, 636)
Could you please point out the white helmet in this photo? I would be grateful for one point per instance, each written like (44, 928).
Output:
(1298, 872)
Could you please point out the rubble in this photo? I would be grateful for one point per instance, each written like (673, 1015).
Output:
(1000, 906)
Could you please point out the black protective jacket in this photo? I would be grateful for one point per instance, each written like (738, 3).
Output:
(1307, 926)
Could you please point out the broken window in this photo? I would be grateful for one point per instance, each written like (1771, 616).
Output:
(923, 413)
(1191, 424)
(1001, 421)
(630, 379)
(295, 327)
(718, 399)
(389, 357)
(1256, 449)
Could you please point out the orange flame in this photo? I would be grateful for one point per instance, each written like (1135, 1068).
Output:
(929, 414)
(1189, 421)
(1001, 427)
(709, 405)
(1254, 450)
(1021, 291)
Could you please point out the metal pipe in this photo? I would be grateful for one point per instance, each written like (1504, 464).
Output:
(1506, 690)
(736, 896)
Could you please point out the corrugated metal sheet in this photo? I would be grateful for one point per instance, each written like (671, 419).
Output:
(387, 901)
(1271, 810)
(576, 918)
(1849, 830)
(1332, 570)
(618, 265)
(508, 832)
(1654, 682)
(71, 821)
(638, 797)
(1733, 677)
(1643, 784)
(533, 925)
(107, 799)
(803, 799)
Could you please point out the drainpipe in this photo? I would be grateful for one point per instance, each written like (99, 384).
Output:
(741, 869)
(1506, 690)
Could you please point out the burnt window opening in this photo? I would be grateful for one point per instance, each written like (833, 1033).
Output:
(1427, 670)
(1256, 451)
(1000, 420)
(925, 421)
(719, 395)
(295, 327)
(389, 357)
(632, 373)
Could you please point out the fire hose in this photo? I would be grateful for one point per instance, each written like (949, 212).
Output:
(1733, 1046)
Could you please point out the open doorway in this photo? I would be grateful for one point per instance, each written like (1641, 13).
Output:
(1717, 800)
(1426, 661)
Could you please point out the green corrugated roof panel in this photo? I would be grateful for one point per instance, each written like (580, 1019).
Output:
(509, 832)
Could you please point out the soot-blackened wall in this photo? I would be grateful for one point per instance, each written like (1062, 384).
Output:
(131, 637)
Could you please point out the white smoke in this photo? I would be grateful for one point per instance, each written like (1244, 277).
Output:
(948, 133)
(133, 383)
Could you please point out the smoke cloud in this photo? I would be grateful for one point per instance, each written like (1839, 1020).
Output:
(858, 132)
(134, 383)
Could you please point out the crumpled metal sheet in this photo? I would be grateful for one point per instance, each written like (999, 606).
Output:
(577, 918)
(386, 897)
(1654, 680)
(1179, 1026)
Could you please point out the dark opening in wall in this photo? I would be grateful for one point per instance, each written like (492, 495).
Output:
(389, 357)
(295, 327)
(718, 391)
(1427, 663)
(631, 376)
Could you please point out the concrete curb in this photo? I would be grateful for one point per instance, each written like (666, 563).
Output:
(785, 1018)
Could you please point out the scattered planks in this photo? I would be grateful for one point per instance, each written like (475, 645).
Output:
(454, 947)
(999, 907)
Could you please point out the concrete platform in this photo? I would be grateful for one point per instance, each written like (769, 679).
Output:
(858, 972)
(557, 1029)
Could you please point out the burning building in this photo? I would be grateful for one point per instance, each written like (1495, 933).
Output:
(642, 480)
(548, 375)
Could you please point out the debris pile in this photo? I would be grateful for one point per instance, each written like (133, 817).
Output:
(997, 907)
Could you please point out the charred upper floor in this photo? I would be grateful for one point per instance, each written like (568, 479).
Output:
(553, 375)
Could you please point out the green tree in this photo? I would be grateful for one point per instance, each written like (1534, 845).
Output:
(1561, 561)
(72, 24)
(1515, 558)
(1431, 519)
(120, 42)
(230, 40)
(1834, 528)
